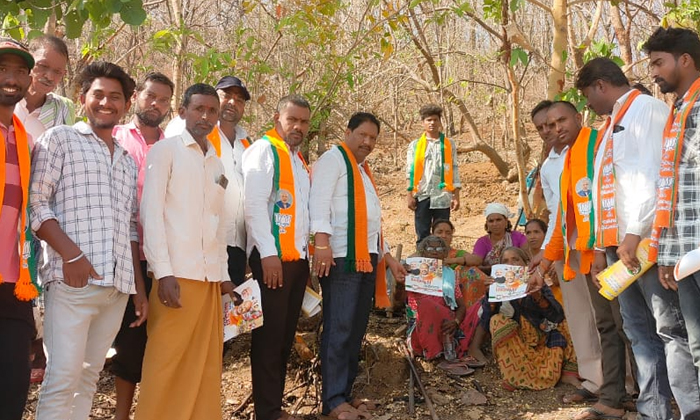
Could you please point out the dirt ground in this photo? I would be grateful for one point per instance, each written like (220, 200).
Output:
(384, 372)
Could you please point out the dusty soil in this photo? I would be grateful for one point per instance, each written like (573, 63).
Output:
(384, 372)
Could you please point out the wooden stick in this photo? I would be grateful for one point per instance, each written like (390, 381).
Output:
(411, 394)
(244, 403)
(428, 402)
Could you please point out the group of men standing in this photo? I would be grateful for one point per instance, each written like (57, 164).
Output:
(637, 177)
(171, 219)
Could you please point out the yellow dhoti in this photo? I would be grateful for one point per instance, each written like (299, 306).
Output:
(183, 360)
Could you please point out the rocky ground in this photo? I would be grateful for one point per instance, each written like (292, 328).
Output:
(384, 371)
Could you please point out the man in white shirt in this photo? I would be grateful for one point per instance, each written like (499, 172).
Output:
(83, 205)
(338, 177)
(577, 301)
(230, 141)
(233, 96)
(182, 213)
(624, 195)
(278, 246)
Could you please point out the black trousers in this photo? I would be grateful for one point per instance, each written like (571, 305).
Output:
(425, 217)
(236, 264)
(272, 343)
(130, 343)
(16, 333)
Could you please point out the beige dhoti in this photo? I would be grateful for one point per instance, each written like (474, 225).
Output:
(183, 361)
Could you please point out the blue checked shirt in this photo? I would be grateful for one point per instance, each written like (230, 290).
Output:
(92, 196)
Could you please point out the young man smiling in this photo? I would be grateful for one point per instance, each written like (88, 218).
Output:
(83, 205)
(16, 290)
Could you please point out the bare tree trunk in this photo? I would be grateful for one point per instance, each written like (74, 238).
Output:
(623, 38)
(514, 109)
(557, 72)
(580, 47)
(178, 20)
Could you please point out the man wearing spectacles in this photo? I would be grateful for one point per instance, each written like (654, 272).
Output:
(41, 108)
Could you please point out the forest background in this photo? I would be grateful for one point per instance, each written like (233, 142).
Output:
(487, 62)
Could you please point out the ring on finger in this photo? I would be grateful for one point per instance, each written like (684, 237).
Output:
(323, 263)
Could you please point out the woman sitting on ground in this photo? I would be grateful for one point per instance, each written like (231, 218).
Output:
(470, 278)
(530, 337)
(489, 248)
(433, 317)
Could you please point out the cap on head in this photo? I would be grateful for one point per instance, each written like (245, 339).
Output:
(233, 81)
(10, 46)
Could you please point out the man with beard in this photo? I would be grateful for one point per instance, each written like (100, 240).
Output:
(674, 57)
(182, 212)
(16, 289)
(278, 246)
(152, 100)
(41, 108)
(232, 142)
(83, 205)
(626, 169)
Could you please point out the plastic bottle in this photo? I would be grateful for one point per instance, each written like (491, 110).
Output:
(448, 347)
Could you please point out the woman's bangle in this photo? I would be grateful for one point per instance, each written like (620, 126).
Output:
(539, 271)
(72, 260)
(464, 260)
(321, 247)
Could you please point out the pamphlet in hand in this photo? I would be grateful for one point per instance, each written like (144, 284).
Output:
(311, 305)
(245, 317)
(510, 282)
(424, 276)
(616, 278)
(687, 265)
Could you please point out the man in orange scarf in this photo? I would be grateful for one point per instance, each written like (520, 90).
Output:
(674, 56)
(573, 236)
(346, 220)
(624, 199)
(432, 173)
(278, 246)
(16, 319)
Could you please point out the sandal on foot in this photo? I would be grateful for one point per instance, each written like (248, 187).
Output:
(582, 395)
(455, 369)
(472, 362)
(595, 414)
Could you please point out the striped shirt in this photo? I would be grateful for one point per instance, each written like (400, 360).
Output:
(11, 205)
(684, 236)
(56, 110)
(92, 196)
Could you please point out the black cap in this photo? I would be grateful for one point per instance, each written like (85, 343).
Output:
(232, 81)
(10, 46)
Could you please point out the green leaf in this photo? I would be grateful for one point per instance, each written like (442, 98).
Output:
(518, 55)
(132, 13)
(414, 3)
(74, 24)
